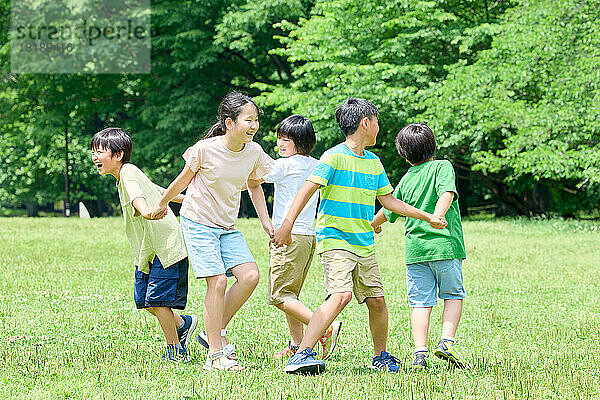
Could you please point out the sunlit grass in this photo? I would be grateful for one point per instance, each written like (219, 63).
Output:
(69, 328)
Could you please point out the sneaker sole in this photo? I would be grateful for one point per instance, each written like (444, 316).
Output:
(311, 369)
(451, 358)
(334, 339)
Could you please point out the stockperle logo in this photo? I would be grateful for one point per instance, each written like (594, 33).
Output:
(80, 36)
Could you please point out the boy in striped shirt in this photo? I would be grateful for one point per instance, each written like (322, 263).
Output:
(350, 179)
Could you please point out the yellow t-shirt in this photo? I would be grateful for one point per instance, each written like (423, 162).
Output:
(213, 196)
(161, 238)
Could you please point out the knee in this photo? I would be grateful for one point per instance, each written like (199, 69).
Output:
(376, 304)
(250, 278)
(217, 283)
(342, 299)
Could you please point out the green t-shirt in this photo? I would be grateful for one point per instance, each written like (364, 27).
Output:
(161, 238)
(421, 187)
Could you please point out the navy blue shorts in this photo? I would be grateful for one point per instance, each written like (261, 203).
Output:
(162, 287)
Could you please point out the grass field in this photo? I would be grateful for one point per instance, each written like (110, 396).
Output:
(530, 328)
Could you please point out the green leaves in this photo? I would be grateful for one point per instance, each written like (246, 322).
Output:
(527, 109)
(511, 89)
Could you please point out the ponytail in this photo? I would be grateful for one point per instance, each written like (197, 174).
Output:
(217, 129)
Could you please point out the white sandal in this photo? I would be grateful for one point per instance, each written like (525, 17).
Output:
(218, 361)
(229, 351)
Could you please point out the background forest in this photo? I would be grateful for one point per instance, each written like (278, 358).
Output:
(511, 89)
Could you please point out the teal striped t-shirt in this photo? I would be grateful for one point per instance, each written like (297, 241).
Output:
(349, 185)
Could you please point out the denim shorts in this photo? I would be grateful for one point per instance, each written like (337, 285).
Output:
(214, 251)
(428, 280)
(162, 287)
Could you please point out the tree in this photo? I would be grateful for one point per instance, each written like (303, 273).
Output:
(385, 51)
(524, 116)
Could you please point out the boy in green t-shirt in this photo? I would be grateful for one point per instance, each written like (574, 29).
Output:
(433, 257)
(159, 251)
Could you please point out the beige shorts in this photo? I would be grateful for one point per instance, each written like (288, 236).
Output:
(288, 266)
(345, 271)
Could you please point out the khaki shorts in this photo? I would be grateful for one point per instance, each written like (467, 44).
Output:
(288, 266)
(345, 271)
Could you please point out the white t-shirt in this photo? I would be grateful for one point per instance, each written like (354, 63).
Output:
(288, 175)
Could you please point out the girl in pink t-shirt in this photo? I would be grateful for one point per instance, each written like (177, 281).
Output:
(217, 169)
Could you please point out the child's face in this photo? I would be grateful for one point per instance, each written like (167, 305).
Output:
(245, 126)
(372, 129)
(106, 162)
(286, 146)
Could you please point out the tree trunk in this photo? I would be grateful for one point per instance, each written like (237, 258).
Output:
(32, 209)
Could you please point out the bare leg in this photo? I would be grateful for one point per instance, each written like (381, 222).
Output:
(323, 317)
(178, 319)
(167, 323)
(296, 309)
(378, 322)
(296, 314)
(419, 323)
(214, 304)
(451, 316)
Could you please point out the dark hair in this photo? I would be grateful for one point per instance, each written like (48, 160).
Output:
(230, 107)
(115, 140)
(349, 114)
(300, 130)
(416, 143)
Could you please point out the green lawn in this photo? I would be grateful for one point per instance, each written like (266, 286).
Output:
(69, 328)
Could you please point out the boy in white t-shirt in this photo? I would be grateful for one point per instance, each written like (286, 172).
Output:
(288, 265)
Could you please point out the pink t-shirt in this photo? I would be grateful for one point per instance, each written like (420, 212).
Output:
(213, 196)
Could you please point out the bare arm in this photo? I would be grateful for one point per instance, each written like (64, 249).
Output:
(378, 220)
(257, 196)
(283, 235)
(399, 207)
(443, 204)
(175, 188)
(178, 199)
(141, 208)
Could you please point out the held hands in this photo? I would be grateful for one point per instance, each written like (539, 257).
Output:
(437, 222)
(376, 228)
(268, 228)
(282, 236)
(157, 213)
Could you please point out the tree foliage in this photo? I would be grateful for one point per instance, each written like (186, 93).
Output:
(524, 116)
(509, 87)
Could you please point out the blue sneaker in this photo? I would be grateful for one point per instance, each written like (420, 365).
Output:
(304, 362)
(175, 353)
(187, 330)
(385, 362)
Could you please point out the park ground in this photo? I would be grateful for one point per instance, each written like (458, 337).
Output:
(530, 329)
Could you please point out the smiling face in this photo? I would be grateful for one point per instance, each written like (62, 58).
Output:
(286, 146)
(106, 162)
(245, 126)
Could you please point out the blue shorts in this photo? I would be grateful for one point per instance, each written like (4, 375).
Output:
(214, 251)
(428, 280)
(162, 287)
